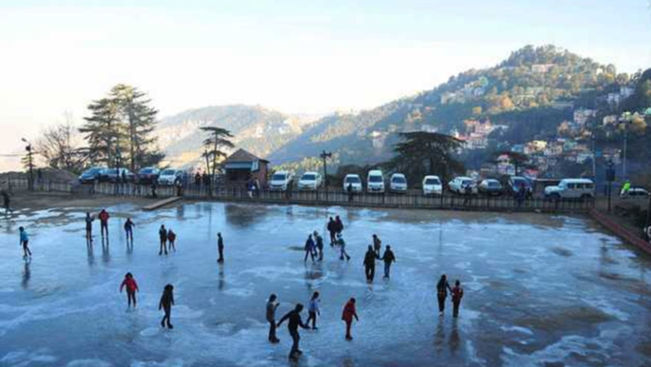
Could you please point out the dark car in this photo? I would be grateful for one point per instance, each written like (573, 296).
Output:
(115, 175)
(93, 174)
(515, 182)
(490, 186)
(148, 175)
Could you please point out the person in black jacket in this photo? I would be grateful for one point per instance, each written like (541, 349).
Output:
(220, 247)
(166, 303)
(369, 264)
(295, 321)
(442, 288)
(332, 229)
(388, 258)
(162, 234)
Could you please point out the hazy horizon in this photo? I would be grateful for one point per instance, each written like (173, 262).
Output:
(293, 57)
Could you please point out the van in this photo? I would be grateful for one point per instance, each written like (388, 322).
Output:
(375, 182)
(571, 188)
(353, 181)
(398, 183)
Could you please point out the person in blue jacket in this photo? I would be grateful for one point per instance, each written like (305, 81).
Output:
(24, 241)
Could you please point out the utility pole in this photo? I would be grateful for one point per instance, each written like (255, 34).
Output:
(626, 119)
(325, 155)
(28, 148)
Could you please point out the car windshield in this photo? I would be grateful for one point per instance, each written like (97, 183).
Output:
(112, 171)
(520, 181)
(308, 177)
(432, 181)
(93, 171)
(146, 170)
(352, 179)
(493, 183)
(278, 177)
(398, 179)
(375, 178)
(466, 182)
(169, 172)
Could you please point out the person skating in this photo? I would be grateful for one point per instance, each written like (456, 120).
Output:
(339, 225)
(162, 234)
(309, 248)
(313, 310)
(347, 315)
(442, 288)
(103, 221)
(89, 227)
(128, 229)
(166, 303)
(319, 244)
(342, 247)
(377, 245)
(171, 240)
(457, 294)
(24, 242)
(388, 258)
(6, 200)
(272, 305)
(220, 248)
(369, 264)
(294, 322)
(332, 229)
(132, 287)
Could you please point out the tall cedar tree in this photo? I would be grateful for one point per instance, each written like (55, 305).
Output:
(423, 153)
(101, 129)
(213, 144)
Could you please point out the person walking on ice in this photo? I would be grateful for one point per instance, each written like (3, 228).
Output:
(319, 244)
(442, 288)
(103, 221)
(132, 288)
(313, 310)
(162, 233)
(309, 248)
(272, 305)
(347, 315)
(294, 317)
(24, 241)
(342, 247)
(128, 230)
(457, 294)
(89, 228)
(377, 245)
(369, 264)
(220, 247)
(171, 240)
(332, 229)
(166, 303)
(388, 258)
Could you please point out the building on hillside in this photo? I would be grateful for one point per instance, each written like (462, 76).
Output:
(518, 148)
(535, 146)
(582, 115)
(541, 68)
(609, 120)
(378, 139)
(242, 167)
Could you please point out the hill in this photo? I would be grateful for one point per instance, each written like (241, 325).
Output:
(256, 129)
(534, 84)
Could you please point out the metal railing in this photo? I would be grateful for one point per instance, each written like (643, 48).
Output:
(323, 197)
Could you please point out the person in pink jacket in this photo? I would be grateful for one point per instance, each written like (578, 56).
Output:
(132, 288)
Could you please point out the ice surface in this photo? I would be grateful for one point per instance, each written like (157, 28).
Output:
(538, 289)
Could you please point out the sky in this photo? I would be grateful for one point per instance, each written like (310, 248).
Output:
(310, 57)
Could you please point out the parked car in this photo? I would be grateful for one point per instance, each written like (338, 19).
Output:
(170, 176)
(309, 181)
(148, 175)
(280, 181)
(458, 185)
(637, 191)
(115, 175)
(571, 188)
(92, 174)
(432, 185)
(354, 181)
(398, 183)
(515, 182)
(490, 186)
(375, 182)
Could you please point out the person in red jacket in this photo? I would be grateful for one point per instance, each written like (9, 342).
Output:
(103, 220)
(132, 287)
(171, 240)
(457, 294)
(347, 316)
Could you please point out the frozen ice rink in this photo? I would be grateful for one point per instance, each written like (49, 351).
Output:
(538, 289)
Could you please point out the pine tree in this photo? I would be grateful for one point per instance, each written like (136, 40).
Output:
(218, 139)
(103, 130)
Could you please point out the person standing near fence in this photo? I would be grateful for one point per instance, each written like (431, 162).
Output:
(220, 247)
(103, 221)
(24, 242)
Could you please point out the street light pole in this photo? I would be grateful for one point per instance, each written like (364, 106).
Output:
(324, 155)
(28, 148)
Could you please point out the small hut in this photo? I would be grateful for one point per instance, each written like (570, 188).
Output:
(242, 167)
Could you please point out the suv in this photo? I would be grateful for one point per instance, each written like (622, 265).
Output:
(354, 181)
(571, 188)
(90, 175)
(432, 185)
(309, 181)
(375, 181)
(490, 186)
(148, 175)
(170, 176)
(515, 182)
(116, 175)
(398, 183)
(459, 184)
(280, 181)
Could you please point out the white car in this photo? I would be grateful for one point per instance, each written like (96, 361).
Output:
(459, 184)
(398, 183)
(375, 182)
(571, 188)
(169, 176)
(309, 181)
(280, 181)
(432, 185)
(354, 181)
